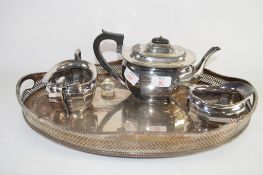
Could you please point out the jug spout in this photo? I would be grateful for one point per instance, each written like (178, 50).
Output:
(198, 69)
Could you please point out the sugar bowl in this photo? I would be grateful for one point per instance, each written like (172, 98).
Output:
(220, 104)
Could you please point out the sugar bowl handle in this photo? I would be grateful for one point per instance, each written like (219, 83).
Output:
(118, 38)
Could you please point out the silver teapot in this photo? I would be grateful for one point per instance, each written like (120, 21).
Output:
(150, 69)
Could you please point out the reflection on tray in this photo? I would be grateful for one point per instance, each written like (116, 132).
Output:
(126, 114)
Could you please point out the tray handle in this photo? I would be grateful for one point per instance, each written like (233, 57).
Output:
(251, 103)
(35, 77)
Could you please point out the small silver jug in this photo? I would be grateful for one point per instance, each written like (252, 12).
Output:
(71, 83)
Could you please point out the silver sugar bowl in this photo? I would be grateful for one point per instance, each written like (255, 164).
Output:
(220, 104)
(149, 70)
(71, 83)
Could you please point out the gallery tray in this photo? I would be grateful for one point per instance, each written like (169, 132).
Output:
(124, 126)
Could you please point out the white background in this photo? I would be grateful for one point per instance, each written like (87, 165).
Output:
(34, 35)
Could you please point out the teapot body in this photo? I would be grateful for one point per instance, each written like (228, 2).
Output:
(153, 83)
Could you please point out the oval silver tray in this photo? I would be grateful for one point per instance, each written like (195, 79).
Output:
(124, 126)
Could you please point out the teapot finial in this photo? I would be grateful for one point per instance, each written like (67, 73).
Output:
(160, 40)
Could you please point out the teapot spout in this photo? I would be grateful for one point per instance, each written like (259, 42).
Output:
(198, 69)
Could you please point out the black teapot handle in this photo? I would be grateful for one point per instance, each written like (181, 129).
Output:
(118, 38)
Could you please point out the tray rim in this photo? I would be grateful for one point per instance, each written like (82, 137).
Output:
(130, 155)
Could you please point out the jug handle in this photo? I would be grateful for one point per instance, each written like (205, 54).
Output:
(118, 38)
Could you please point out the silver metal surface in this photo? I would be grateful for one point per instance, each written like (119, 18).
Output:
(138, 56)
(157, 59)
(144, 88)
(128, 127)
(159, 53)
(71, 83)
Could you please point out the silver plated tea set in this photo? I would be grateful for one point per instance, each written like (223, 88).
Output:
(153, 103)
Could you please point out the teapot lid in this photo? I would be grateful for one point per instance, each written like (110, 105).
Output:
(159, 53)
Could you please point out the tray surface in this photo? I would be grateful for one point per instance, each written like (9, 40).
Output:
(125, 126)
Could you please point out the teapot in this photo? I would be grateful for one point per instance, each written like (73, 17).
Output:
(149, 70)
